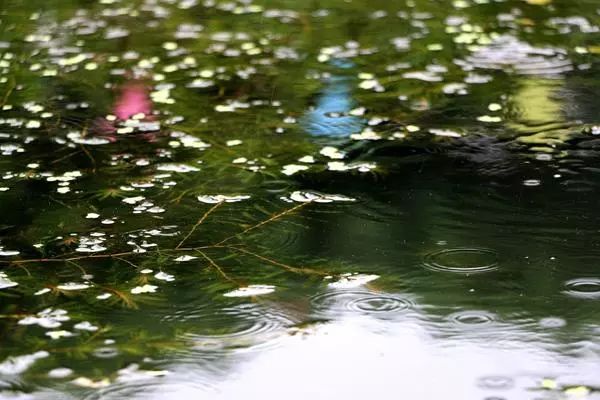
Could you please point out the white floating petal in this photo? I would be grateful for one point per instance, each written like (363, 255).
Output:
(251, 290)
(164, 277)
(144, 289)
(73, 286)
(5, 282)
(185, 258)
(19, 364)
(54, 335)
(85, 326)
(352, 281)
(220, 198)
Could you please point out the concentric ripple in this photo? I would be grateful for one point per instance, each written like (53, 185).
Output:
(462, 260)
(338, 303)
(151, 387)
(471, 318)
(508, 52)
(495, 382)
(242, 328)
(584, 288)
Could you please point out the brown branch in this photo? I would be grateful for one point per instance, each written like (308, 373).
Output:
(199, 222)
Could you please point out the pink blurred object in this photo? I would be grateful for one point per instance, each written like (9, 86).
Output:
(133, 100)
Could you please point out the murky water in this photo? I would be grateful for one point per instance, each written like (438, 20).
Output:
(282, 199)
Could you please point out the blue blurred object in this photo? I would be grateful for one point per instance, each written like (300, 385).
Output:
(330, 116)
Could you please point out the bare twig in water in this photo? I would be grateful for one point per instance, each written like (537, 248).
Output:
(65, 157)
(11, 87)
(198, 223)
(25, 269)
(217, 268)
(127, 262)
(125, 298)
(89, 155)
(199, 249)
(77, 266)
(297, 270)
(270, 219)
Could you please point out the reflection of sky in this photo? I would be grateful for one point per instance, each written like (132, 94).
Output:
(361, 358)
(335, 98)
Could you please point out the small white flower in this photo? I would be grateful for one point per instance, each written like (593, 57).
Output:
(164, 277)
(251, 290)
(88, 383)
(291, 169)
(220, 198)
(352, 281)
(58, 373)
(85, 326)
(73, 286)
(133, 200)
(144, 289)
(58, 334)
(185, 258)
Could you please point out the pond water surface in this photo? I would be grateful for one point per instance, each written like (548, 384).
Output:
(291, 199)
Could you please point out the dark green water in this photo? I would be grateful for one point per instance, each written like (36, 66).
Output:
(289, 199)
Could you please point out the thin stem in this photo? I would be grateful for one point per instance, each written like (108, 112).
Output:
(297, 270)
(268, 220)
(11, 87)
(198, 223)
(77, 266)
(216, 266)
(127, 262)
(89, 155)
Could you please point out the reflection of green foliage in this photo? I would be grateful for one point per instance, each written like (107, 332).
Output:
(259, 240)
